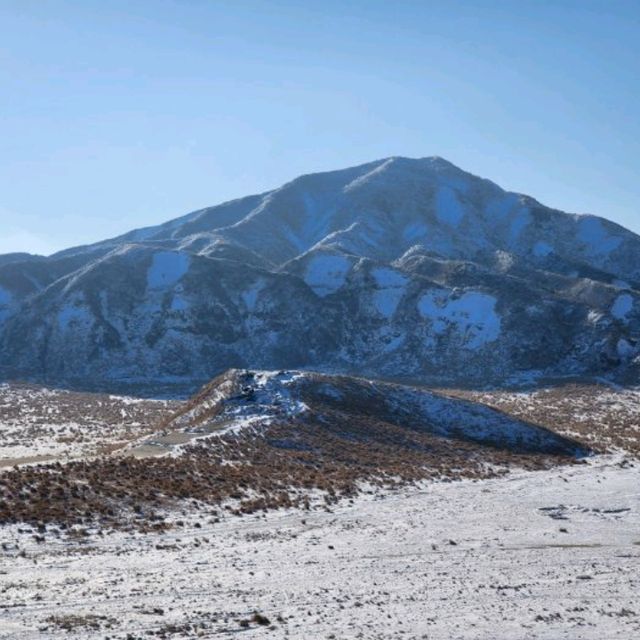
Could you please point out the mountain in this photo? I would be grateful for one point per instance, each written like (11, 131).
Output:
(401, 268)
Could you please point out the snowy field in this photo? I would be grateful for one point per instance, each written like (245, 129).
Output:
(550, 554)
(601, 416)
(39, 424)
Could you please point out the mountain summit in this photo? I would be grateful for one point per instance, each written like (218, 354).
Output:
(400, 268)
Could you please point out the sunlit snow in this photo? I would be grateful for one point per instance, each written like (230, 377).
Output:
(325, 274)
(473, 316)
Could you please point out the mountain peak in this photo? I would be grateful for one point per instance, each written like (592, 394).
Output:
(401, 267)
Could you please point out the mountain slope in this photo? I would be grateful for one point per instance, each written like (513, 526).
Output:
(399, 268)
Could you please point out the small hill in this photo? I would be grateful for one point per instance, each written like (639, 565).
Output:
(254, 440)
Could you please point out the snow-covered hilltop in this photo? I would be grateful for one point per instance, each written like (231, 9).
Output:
(399, 268)
(242, 400)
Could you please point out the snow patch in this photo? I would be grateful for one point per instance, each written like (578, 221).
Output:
(250, 296)
(501, 206)
(394, 344)
(542, 249)
(625, 349)
(593, 317)
(391, 288)
(388, 277)
(592, 233)
(265, 396)
(362, 180)
(519, 224)
(472, 315)
(449, 209)
(386, 301)
(179, 304)
(166, 269)
(325, 274)
(415, 231)
(504, 259)
(622, 306)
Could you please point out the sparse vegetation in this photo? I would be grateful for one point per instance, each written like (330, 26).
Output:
(600, 417)
(40, 424)
(279, 466)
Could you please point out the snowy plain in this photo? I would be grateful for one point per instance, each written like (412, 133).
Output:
(547, 555)
(40, 424)
(553, 554)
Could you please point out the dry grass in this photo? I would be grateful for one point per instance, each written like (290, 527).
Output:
(281, 466)
(345, 438)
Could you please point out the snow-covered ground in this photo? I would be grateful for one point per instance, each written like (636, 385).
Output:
(40, 424)
(599, 415)
(551, 554)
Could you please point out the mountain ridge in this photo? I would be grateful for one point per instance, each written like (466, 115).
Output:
(407, 268)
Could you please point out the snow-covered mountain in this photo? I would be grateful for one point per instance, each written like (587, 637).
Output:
(400, 268)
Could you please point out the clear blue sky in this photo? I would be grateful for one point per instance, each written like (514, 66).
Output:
(117, 114)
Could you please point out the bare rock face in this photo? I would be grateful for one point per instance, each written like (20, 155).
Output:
(404, 269)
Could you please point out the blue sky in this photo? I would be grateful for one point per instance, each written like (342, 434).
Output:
(116, 114)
